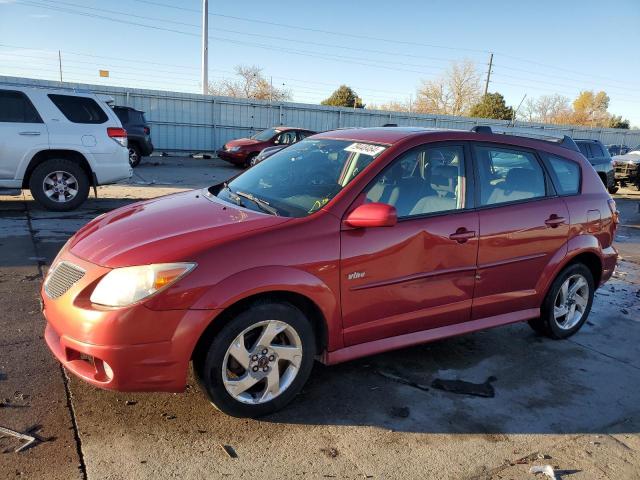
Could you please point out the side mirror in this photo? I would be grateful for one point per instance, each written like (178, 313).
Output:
(372, 215)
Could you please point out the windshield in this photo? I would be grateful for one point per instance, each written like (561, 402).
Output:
(302, 178)
(265, 135)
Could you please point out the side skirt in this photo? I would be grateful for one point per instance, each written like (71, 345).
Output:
(378, 346)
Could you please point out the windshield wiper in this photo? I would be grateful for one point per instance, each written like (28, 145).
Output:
(262, 204)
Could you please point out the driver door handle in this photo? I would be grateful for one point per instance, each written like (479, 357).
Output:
(462, 235)
(29, 133)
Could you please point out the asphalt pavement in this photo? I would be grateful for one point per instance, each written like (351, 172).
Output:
(573, 404)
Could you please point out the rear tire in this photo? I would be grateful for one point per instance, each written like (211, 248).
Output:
(59, 184)
(613, 190)
(567, 304)
(134, 156)
(247, 162)
(248, 370)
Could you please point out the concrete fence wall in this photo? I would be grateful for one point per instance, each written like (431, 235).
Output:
(187, 122)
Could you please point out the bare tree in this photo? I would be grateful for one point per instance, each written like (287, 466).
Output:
(249, 84)
(454, 93)
(547, 109)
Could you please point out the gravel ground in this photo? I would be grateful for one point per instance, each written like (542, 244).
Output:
(574, 404)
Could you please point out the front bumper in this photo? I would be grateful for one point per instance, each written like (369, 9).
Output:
(126, 349)
(627, 172)
(237, 158)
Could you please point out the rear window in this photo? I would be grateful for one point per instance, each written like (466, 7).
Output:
(17, 108)
(567, 174)
(79, 109)
(121, 113)
(597, 150)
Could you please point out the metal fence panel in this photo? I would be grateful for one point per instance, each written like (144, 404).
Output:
(187, 122)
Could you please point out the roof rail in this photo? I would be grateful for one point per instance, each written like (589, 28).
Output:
(563, 141)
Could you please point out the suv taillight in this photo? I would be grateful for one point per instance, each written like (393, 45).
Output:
(118, 134)
(147, 131)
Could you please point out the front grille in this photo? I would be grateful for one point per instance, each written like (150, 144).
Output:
(63, 277)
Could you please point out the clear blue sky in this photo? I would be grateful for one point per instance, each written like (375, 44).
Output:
(540, 47)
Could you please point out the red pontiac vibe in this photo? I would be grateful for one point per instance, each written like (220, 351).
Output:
(241, 151)
(348, 243)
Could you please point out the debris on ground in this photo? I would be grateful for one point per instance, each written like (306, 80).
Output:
(330, 452)
(466, 388)
(228, 449)
(543, 469)
(21, 436)
(402, 380)
(130, 402)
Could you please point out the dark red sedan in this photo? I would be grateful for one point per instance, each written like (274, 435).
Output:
(241, 151)
(348, 243)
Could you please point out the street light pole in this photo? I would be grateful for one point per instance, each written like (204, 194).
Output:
(205, 47)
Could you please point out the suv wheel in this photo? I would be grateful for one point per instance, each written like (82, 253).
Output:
(567, 304)
(259, 361)
(134, 156)
(59, 185)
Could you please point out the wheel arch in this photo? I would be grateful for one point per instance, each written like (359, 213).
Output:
(44, 155)
(305, 304)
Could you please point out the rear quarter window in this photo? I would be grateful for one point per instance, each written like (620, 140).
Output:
(79, 109)
(566, 174)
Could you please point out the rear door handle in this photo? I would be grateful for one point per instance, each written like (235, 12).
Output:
(29, 133)
(554, 220)
(462, 235)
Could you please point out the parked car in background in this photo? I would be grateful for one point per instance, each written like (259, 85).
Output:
(599, 157)
(349, 243)
(58, 143)
(138, 133)
(242, 151)
(618, 149)
(627, 168)
(267, 152)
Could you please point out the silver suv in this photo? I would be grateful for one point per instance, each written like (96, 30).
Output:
(58, 143)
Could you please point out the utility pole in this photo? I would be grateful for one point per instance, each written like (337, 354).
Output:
(486, 84)
(205, 47)
(60, 64)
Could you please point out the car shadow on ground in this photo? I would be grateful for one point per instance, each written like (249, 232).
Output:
(541, 386)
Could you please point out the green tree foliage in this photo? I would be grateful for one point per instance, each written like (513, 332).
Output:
(618, 122)
(492, 105)
(344, 96)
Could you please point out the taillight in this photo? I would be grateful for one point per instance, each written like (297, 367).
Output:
(147, 131)
(614, 210)
(118, 134)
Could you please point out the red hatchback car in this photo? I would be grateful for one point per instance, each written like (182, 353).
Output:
(348, 243)
(241, 151)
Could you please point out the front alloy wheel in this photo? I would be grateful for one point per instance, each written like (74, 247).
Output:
(262, 362)
(258, 361)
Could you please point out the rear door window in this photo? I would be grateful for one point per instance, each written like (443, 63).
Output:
(79, 109)
(15, 107)
(508, 175)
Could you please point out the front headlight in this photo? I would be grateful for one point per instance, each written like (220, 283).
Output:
(124, 286)
(234, 149)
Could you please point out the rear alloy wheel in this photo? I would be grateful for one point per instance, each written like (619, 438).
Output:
(59, 185)
(567, 304)
(259, 361)
(250, 161)
(134, 156)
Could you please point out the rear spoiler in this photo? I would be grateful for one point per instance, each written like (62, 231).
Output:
(563, 141)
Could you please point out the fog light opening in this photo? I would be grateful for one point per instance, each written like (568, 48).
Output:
(104, 372)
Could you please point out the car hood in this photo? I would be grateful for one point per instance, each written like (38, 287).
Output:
(631, 156)
(242, 142)
(167, 229)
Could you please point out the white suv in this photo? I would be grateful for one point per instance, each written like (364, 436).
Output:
(59, 143)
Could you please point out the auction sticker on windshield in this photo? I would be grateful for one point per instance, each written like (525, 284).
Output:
(365, 149)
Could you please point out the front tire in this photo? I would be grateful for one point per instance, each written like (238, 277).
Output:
(567, 304)
(259, 361)
(249, 161)
(59, 184)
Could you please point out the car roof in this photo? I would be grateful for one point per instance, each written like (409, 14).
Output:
(122, 107)
(586, 140)
(284, 129)
(386, 135)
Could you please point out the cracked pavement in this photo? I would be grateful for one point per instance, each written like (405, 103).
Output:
(572, 404)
